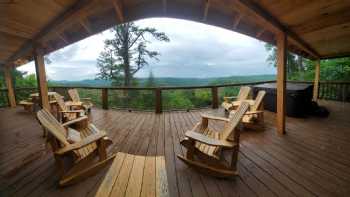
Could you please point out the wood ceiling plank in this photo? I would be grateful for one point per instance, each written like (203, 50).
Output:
(119, 9)
(48, 28)
(16, 28)
(273, 24)
(331, 19)
(206, 8)
(329, 33)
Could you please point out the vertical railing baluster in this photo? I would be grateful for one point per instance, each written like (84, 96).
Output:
(104, 98)
(215, 97)
(158, 95)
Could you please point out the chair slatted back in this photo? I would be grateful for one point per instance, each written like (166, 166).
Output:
(258, 100)
(235, 118)
(60, 102)
(49, 122)
(74, 95)
(243, 93)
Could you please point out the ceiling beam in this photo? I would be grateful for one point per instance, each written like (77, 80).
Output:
(275, 23)
(29, 45)
(118, 7)
(237, 19)
(165, 5)
(62, 37)
(336, 55)
(84, 23)
(260, 32)
(206, 9)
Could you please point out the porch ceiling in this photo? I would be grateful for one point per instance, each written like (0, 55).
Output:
(315, 29)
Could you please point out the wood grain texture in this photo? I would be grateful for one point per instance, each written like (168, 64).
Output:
(10, 92)
(281, 82)
(311, 160)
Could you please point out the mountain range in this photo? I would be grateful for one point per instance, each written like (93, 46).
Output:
(170, 81)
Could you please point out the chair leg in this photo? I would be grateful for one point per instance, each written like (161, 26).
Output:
(102, 153)
(81, 174)
(234, 159)
(190, 150)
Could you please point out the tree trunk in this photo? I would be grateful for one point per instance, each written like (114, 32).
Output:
(300, 63)
(126, 60)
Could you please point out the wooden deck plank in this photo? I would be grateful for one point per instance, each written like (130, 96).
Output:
(108, 181)
(135, 181)
(311, 160)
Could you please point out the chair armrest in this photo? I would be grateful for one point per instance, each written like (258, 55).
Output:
(209, 141)
(253, 112)
(70, 103)
(238, 103)
(72, 111)
(86, 141)
(89, 99)
(75, 121)
(228, 98)
(206, 116)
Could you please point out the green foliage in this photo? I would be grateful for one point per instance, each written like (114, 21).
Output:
(177, 99)
(304, 69)
(26, 81)
(294, 62)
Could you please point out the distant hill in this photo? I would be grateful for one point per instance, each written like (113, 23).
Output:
(169, 81)
(86, 82)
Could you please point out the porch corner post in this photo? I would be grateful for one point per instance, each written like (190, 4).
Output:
(158, 98)
(316, 80)
(215, 97)
(10, 91)
(281, 40)
(41, 79)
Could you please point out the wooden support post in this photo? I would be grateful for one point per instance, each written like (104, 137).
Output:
(158, 95)
(281, 82)
(41, 79)
(10, 92)
(215, 98)
(104, 98)
(316, 80)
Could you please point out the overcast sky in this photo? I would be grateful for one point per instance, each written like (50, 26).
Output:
(194, 50)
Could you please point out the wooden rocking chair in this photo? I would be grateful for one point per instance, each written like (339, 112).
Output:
(84, 103)
(65, 111)
(205, 146)
(80, 156)
(232, 102)
(254, 117)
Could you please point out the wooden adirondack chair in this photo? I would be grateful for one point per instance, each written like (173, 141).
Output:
(81, 154)
(254, 117)
(229, 102)
(65, 112)
(84, 103)
(205, 146)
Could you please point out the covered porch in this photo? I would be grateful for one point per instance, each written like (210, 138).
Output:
(292, 157)
(312, 159)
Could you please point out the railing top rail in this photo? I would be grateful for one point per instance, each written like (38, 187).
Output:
(164, 87)
(176, 87)
(323, 82)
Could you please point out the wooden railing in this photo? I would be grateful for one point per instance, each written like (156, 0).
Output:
(335, 90)
(172, 98)
(332, 90)
(158, 98)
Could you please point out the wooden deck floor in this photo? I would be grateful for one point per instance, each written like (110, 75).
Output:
(313, 159)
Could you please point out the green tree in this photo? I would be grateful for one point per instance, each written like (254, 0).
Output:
(150, 81)
(294, 62)
(126, 53)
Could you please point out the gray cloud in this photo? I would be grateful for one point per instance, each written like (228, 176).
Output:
(195, 50)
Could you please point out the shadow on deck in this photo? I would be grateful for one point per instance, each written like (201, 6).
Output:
(313, 159)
